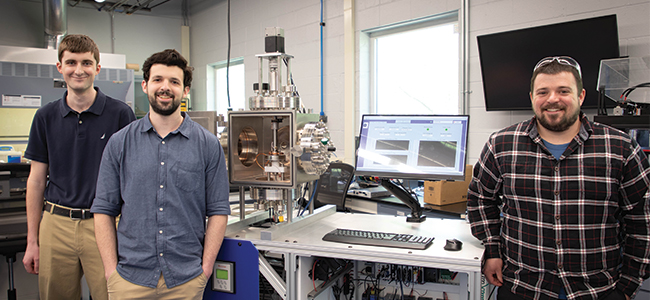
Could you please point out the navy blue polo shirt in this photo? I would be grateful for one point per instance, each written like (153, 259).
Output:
(72, 144)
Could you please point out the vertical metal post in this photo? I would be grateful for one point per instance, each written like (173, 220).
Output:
(242, 203)
(274, 132)
(11, 292)
(311, 202)
(290, 197)
(291, 267)
(288, 60)
(464, 59)
(259, 75)
(273, 66)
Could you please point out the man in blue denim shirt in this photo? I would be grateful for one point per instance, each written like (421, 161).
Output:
(164, 174)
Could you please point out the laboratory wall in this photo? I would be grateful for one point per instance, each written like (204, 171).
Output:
(486, 16)
(300, 20)
(137, 35)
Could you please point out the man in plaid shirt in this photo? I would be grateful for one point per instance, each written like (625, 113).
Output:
(562, 204)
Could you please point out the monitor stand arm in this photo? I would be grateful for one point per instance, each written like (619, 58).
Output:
(407, 198)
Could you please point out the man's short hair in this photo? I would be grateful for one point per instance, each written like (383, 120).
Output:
(169, 57)
(553, 68)
(78, 43)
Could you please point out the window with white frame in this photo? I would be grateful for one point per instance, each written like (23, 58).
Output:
(414, 67)
(218, 76)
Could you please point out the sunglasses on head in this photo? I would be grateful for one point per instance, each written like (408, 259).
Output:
(563, 60)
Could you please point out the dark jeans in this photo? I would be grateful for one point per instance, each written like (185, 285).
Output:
(506, 294)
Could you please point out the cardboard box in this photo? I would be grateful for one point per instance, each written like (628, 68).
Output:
(447, 192)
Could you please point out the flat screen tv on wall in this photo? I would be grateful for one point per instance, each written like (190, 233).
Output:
(508, 58)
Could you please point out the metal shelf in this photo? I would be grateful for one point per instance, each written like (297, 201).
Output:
(625, 122)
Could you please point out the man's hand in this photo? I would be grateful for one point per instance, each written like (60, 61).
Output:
(34, 209)
(213, 238)
(30, 260)
(493, 271)
(108, 273)
(208, 271)
(106, 236)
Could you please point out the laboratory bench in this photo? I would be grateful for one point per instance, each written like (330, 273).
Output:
(301, 244)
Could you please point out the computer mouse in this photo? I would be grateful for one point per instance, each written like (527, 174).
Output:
(453, 245)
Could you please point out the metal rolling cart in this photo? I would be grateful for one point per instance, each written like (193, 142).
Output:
(13, 217)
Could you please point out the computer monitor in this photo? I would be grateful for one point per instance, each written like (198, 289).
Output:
(507, 58)
(420, 147)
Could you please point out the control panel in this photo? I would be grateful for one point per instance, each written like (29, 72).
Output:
(223, 277)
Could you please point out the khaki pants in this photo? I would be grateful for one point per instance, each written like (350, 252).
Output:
(121, 289)
(68, 250)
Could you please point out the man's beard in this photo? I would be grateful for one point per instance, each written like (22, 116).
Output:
(159, 109)
(560, 126)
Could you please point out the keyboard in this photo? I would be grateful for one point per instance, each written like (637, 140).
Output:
(380, 239)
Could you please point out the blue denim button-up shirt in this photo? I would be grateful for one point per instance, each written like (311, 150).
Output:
(164, 188)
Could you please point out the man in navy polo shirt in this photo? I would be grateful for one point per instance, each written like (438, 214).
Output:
(66, 140)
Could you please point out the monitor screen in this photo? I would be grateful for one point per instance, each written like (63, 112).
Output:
(507, 58)
(420, 147)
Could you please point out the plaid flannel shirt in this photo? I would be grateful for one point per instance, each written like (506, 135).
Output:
(581, 222)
